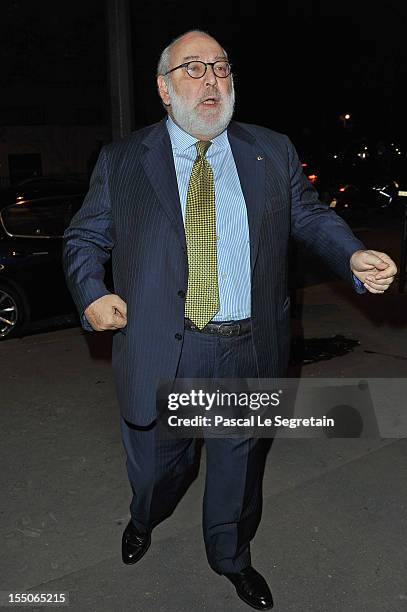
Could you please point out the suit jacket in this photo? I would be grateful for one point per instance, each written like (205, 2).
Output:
(132, 213)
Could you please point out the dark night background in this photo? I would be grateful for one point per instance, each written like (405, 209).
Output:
(296, 71)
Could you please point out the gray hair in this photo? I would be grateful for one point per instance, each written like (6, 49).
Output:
(164, 61)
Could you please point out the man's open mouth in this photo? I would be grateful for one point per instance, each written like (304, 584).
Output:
(210, 101)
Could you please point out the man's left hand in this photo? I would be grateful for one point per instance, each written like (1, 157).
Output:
(376, 270)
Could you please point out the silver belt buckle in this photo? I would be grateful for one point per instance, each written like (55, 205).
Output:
(226, 331)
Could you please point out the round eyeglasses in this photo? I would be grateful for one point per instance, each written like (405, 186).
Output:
(196, 69)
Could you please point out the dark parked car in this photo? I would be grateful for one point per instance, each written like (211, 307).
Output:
(42, 187)
(32, 284)
(361, 180)
(364, 202)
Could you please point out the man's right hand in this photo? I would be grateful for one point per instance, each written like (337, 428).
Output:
(107, 312)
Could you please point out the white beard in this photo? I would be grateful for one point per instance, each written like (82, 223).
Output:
(191, 122)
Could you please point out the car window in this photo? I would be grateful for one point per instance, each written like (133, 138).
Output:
(35, 218)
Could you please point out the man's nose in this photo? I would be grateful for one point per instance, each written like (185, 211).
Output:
(209, 76)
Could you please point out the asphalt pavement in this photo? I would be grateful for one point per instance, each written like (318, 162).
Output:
(333, 533)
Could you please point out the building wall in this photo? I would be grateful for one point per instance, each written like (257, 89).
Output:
(64, 150)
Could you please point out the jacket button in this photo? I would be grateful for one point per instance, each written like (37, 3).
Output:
(178, 336)
(181, 293)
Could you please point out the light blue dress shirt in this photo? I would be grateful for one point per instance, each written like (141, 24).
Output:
(232, 227)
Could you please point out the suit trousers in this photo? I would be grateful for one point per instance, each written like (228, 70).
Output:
(160, 470)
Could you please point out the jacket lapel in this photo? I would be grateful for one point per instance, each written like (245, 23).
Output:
(158, 164)
(250, 164)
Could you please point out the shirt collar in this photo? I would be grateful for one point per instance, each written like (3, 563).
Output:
(181, 140)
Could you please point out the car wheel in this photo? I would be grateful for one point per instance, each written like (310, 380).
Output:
(13, 312)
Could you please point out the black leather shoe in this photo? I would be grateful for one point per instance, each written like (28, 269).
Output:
(252, 588)
(134, 544)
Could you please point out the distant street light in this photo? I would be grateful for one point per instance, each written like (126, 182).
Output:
(344, 118)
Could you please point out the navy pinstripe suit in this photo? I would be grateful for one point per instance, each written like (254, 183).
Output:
(133, 213)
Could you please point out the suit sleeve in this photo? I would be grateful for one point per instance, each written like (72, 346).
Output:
(318, 227)
(88, 242)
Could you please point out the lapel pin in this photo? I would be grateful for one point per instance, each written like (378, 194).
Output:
(259, 158)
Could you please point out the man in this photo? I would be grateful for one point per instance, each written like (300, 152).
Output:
(196, 212)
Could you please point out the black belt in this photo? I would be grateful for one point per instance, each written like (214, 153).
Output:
(223, 328)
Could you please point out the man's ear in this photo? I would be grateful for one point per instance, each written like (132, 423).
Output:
(162, 90)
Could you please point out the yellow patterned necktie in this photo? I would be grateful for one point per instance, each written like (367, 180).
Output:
(202, 300)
